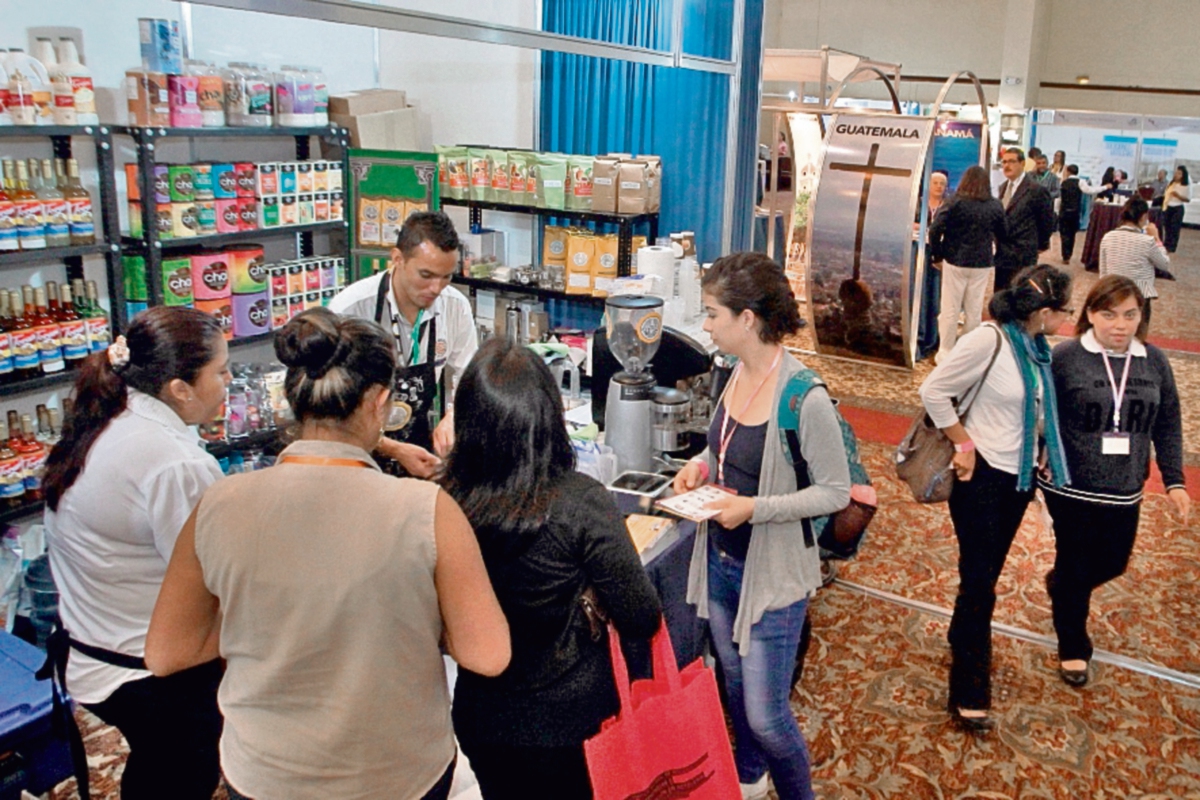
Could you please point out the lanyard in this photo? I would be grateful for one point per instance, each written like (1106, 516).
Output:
(1118, 394)
(415, 352)
(322, 461)
(726, 439)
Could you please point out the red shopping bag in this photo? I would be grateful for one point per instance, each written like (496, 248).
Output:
(669, 740)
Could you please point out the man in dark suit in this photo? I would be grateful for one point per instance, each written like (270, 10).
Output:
(1030, 213)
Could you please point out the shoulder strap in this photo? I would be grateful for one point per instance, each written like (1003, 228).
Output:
(962, 411)
(790, 402)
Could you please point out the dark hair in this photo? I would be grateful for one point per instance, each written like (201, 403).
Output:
(974, 184)
(1184, 170)
(1036, 152)
(427, 226)
(1058, 153)
(164, 343)
(1033, 289)
(332, 361)
(752, 280)
(1110, 176)
(1020, 154)
(1109, 292)
(511, 447)
(1135, 208)
(1072, 169)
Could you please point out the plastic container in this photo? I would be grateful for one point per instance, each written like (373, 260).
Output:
(294, 98)
(257, 90)
(236, 103)
(320, 96)
(5, 117)
(29, 89)
(184, 99)
(74, 91)
(210, 92)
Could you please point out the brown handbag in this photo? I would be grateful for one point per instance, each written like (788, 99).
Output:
(924, 459)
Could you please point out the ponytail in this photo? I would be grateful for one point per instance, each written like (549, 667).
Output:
(164, 343)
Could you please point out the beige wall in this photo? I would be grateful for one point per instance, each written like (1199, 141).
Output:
(1114, 43)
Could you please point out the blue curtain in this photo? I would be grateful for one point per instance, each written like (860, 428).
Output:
(749, 111)
(593, 106)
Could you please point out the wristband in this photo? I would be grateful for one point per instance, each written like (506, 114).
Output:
(966, 447)
(703, 465)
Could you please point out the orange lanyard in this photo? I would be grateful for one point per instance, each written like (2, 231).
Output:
(726, 439)
(322, 461)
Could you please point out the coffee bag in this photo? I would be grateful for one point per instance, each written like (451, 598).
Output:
(550, 186)
(554, 245)
(633, 191)
(520, 180)
(605, 175)
(580, 196)
(498, 173)
(481, 177)
(604, 266)
(581, 255)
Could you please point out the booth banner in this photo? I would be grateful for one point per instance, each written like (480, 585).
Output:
(861, 235)
(807, 144)
(956, 147)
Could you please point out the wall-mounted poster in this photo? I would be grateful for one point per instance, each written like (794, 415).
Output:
(861, 235)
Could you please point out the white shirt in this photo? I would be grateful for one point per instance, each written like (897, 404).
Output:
(1174, 200)
(113, 533)
(1007, 192)
(457, 340)
(996, 418)
(1134, 254)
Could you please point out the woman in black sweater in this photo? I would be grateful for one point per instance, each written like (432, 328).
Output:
(1096, 516)
(963, 239)
(547, 533)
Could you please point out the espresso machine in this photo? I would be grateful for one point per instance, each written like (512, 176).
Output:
(633, 332)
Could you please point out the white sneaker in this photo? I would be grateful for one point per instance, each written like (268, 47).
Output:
(756, 790)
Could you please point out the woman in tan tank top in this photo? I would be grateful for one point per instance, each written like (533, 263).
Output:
(329, 587)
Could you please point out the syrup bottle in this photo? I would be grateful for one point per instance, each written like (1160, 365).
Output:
(6, 353)
(33, 455)
(72, 328)
(26, 359)
(12, 475)
(83, 221)
(48, 333)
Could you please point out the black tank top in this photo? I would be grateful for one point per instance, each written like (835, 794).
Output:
(743, 465)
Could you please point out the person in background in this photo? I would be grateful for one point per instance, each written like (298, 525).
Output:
(548, 535)
(1134, 249)
(962, 239)
(927, 330)
(1059, 165)
(119, 486)
(1096, 517)
(435, 335)
(755, 565)
(1110, 180)
(1031, 159)
(1158, 188)
(1071, 194)
(1044, 176)
(330, 588)
(1177, 195)
(1029, 215)
(996, 453)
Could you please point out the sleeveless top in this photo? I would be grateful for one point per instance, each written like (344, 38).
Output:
(335, 686)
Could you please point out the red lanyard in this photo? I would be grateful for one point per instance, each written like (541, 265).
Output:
(321, 461)
(726, 439)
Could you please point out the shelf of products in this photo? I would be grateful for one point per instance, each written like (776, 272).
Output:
(248, 341)
(20, 510)
(155, 249)
(52, 380)
(18, 258)
(624, 222)
(546, 294)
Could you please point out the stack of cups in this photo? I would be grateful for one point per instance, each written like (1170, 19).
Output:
(248, 281)
(210, 287)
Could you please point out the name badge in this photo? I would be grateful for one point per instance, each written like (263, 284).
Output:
(1114, 444)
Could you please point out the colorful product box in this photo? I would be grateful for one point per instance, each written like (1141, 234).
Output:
(177, 281)
(251, 314)
(224, 181)
(267, 178)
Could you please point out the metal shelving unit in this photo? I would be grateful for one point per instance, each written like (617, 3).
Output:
(104, 209)
(546, 294)
(152, 248)
(624, 223)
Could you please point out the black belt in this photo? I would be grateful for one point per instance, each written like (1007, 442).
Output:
(107, 656)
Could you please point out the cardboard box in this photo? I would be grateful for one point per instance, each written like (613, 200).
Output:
(366, 101)
(385, 130)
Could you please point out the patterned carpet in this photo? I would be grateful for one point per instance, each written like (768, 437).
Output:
(872, 705)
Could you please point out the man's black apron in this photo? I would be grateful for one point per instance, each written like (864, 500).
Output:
(415, 392)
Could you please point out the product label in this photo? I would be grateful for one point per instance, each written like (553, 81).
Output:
(25, 349)
(178, 285)
(49, 347)
(85, 94)
(6, 355)
(634, 185)
(12, 477)
(215, 276)
(98, 334)
(34, 466)
(56, 215)
(211, 96)
(552, 184)
(259, 314)
(8, 226)
(82, 219)
(73, 337)
(258, 98)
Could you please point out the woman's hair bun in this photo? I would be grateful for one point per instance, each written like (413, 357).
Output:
(312, 342)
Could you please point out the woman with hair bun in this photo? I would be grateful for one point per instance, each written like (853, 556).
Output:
(1003, 370)
(118, 487)
(329, 587)
(756, 566)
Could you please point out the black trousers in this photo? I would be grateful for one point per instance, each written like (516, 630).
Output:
(508, 772)
(440, 790)
(1068, 227)
(1092, 545)
(1172, 225)
(173, 726)
(986, 512)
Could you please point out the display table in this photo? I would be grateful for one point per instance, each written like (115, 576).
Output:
(1105, 217)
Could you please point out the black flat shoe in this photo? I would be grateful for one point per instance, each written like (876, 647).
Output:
(972, 724)
(1073, 677)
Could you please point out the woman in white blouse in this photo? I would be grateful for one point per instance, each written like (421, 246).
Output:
(119, 486)
(1133, 249)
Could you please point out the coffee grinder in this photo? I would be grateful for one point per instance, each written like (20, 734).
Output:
(634, 330)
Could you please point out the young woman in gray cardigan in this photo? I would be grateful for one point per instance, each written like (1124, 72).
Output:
(752, 571)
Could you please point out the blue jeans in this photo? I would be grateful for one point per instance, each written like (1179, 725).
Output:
(758, 685)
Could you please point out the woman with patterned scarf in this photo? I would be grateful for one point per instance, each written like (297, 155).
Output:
(1011, 428)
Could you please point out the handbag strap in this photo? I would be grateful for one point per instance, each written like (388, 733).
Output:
(962, 412)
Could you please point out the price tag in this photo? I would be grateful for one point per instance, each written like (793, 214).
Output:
(1114, 444)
